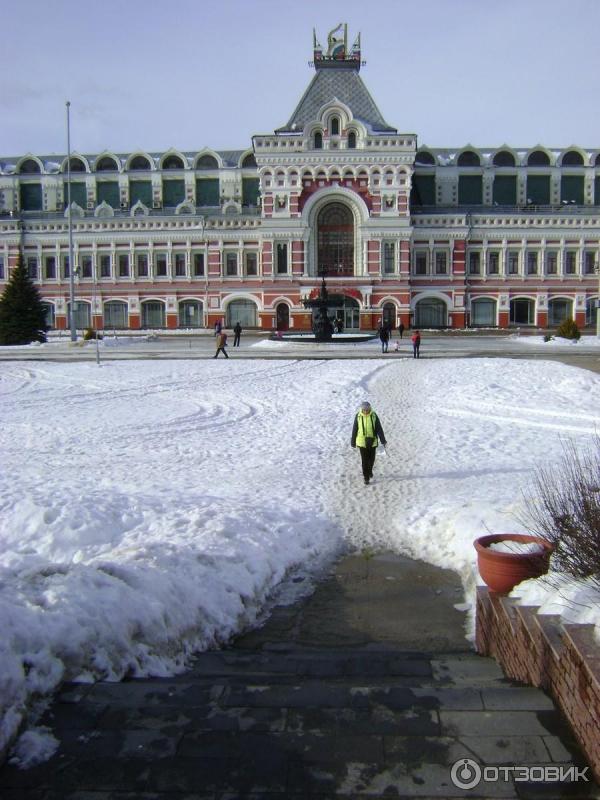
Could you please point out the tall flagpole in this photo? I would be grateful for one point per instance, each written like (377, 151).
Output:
(70, 226)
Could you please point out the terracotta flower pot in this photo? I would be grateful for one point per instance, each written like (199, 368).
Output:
(503, 571)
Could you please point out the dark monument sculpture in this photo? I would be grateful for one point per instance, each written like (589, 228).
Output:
(321, 324)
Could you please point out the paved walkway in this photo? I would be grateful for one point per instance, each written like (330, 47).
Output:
(256, 345)
(367, 688)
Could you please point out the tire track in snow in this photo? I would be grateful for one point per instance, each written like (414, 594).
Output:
(502, 419)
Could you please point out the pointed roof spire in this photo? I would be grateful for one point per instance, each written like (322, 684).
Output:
(337, 78)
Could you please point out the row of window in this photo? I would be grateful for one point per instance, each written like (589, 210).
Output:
(141, 265)
(119, 266)
(468, 158)
(425, 262)
(170, 194)
(538, 191)
(509, 262)
(190, 313)
(432, 312)
(428, 313)
(504, 158)
(318, 140)
(533, 262)
(137, 163)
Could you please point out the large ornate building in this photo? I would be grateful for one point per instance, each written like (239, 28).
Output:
(477, 236)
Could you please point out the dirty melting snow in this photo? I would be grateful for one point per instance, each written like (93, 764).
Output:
(151, 509)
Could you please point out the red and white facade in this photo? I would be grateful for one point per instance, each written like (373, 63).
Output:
(430, 237)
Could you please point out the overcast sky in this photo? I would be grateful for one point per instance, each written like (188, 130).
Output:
(143, 74)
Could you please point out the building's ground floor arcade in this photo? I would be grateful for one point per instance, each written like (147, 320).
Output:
(351, 309)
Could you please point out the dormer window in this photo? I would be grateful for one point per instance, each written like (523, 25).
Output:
(335, 126)
(352, 140)
(318, 140)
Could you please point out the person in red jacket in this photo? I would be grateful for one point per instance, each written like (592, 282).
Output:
(416, 343)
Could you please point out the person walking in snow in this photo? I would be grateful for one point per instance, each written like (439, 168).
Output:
(237, 332)
(218, 326)
(221, 344)
(367, 432)
(416, 343)
(401, 329)
(384, 336)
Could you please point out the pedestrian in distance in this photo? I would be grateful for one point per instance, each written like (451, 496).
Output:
(221, 345)
(384, 336)
(218, 327)
(401, 329)
(367, 432)
(416, 343)
(237, 332)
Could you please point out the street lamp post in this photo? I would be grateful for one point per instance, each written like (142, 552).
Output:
(70, 227)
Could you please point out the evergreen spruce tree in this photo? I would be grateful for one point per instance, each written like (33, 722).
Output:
(22, 315)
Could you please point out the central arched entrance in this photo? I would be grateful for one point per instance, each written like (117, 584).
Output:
(344, 310)
(335, 240)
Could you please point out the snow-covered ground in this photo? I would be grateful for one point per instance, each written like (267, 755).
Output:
(152, 508)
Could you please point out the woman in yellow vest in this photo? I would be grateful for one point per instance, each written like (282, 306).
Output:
(366, 434)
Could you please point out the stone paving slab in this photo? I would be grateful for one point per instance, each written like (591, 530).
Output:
(289, 711)
(499, 723)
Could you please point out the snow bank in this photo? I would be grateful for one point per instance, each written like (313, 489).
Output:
(153, 508)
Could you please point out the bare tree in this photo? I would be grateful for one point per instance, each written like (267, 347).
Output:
(563, 507)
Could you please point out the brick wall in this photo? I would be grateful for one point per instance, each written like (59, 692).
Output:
(539, 650)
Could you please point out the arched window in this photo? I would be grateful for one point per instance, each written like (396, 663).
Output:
(190, 314)
(483, 312)
(572, 159)
(538, 159)
(172, 162)
(335, 240)
(423, 157)
(335, 126)
(153, 314)
(318, 140)
(77, 165)
(522, 311)
(388, 316)
(242, 311)
(559, 309)
(207, 162)
(81, 316)
(49, 315)
(106, 164)
(282, 313)
(431, 312)
(504, 159)
(139, 162)
(29, 167)
(352, 140)
(468, 159)
(249, 161)
(115, 314)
